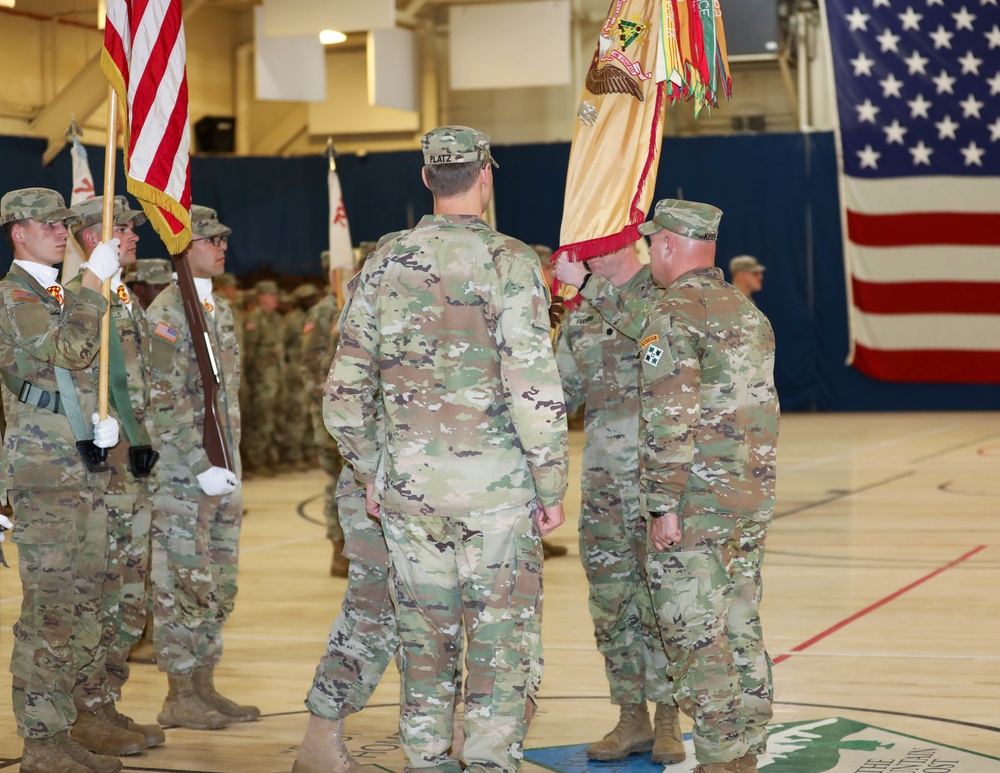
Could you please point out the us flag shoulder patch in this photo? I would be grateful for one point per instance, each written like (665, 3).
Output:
(24, 295)
(164, 331)
(309, 326)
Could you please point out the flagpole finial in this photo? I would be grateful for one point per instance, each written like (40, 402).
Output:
(331, 154)
(74, 130)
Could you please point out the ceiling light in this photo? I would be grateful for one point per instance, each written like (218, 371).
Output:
(331, 37)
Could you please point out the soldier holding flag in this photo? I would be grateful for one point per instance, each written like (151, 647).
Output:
(198, 509)
(54, 476)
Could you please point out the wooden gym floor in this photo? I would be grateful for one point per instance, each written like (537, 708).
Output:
(880, 580)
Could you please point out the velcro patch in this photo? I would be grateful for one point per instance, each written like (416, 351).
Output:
(251, 326)
(309, 326)
(653, 355)
(24, 295)
(648, 340)
(164, 331)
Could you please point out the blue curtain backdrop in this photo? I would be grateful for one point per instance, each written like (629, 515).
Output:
(778, 193)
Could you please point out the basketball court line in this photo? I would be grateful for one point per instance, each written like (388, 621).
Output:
(878, 604)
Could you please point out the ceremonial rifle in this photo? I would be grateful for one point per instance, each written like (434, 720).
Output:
(213, 438)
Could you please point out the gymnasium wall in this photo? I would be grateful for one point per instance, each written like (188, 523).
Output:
(778, 193)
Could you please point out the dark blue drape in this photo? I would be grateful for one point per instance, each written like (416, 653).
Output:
(778, 193)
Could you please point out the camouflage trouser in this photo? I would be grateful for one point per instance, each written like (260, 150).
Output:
(194, 567)
(332, 463)
(485, 571)
(261, 433)
(123, 604)
(296, 437)
(613, 550)
(363, 638)
(707, 595)
(62, 539)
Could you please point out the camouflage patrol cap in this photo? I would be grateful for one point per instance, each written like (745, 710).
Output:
(225, 280)
(324, 260)
(266, 287)
(685, 218)
(205, 222)
(745, 263)
(42, 204)
(154, 271)
(302, 292)
(91, 212)
(456, 145)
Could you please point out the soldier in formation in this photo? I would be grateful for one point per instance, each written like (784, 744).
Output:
(100, 727)
(747, 275)
(264, 357)
(319, 343)
(147, 278)
(199, 505)
(49, 338)
(296, 430)
(708, 450)
(599, 367)
(473, 364)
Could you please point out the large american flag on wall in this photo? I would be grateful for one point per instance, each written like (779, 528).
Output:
(918, 99)
(144, 58)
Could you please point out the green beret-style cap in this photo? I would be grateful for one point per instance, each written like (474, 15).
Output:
(686, 218)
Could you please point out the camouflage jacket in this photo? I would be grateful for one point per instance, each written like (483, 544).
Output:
(319, 342)
(449, 330)
(264, 352)
(134, 336)
(36, 336)
(709, 406)
(177, 398)
(292, 324)
(599, 366)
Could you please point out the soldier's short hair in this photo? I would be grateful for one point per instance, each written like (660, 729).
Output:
(449, 180)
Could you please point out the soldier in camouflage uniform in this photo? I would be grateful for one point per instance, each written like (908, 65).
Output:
(449, 335)
(198, 509)
(99, 726)
(708, 452)
(319, 342)
(599, 366)
(297, 445)
(264, 360)
(49, 337)
(147, 278)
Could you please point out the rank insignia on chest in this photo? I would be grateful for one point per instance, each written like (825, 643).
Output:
(653, 355)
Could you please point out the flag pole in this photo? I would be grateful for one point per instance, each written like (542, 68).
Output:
(331, 156)
(107, 232)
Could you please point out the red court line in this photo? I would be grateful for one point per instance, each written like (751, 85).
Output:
(858, 615)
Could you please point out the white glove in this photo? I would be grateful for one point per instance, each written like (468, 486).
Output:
(104, 259)
(105, 432)
(217, 481)
(4, 524)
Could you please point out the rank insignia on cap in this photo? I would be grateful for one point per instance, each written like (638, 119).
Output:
(653, 355)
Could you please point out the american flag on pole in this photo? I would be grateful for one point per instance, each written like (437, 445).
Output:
(144, 58)
(918, 100)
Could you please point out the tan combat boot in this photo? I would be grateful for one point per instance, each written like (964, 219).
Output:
(748, 763)
(99, 763)
(184, 707)
(204, 685)
(95, 732)
(339, 566)
(633, 734)
(153, 734)
(323, 750)
(43, 755)
(719, 767)
(668, 746)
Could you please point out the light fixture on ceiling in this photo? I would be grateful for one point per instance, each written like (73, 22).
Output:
(331, 37)
(102, 13)
(6, 3)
